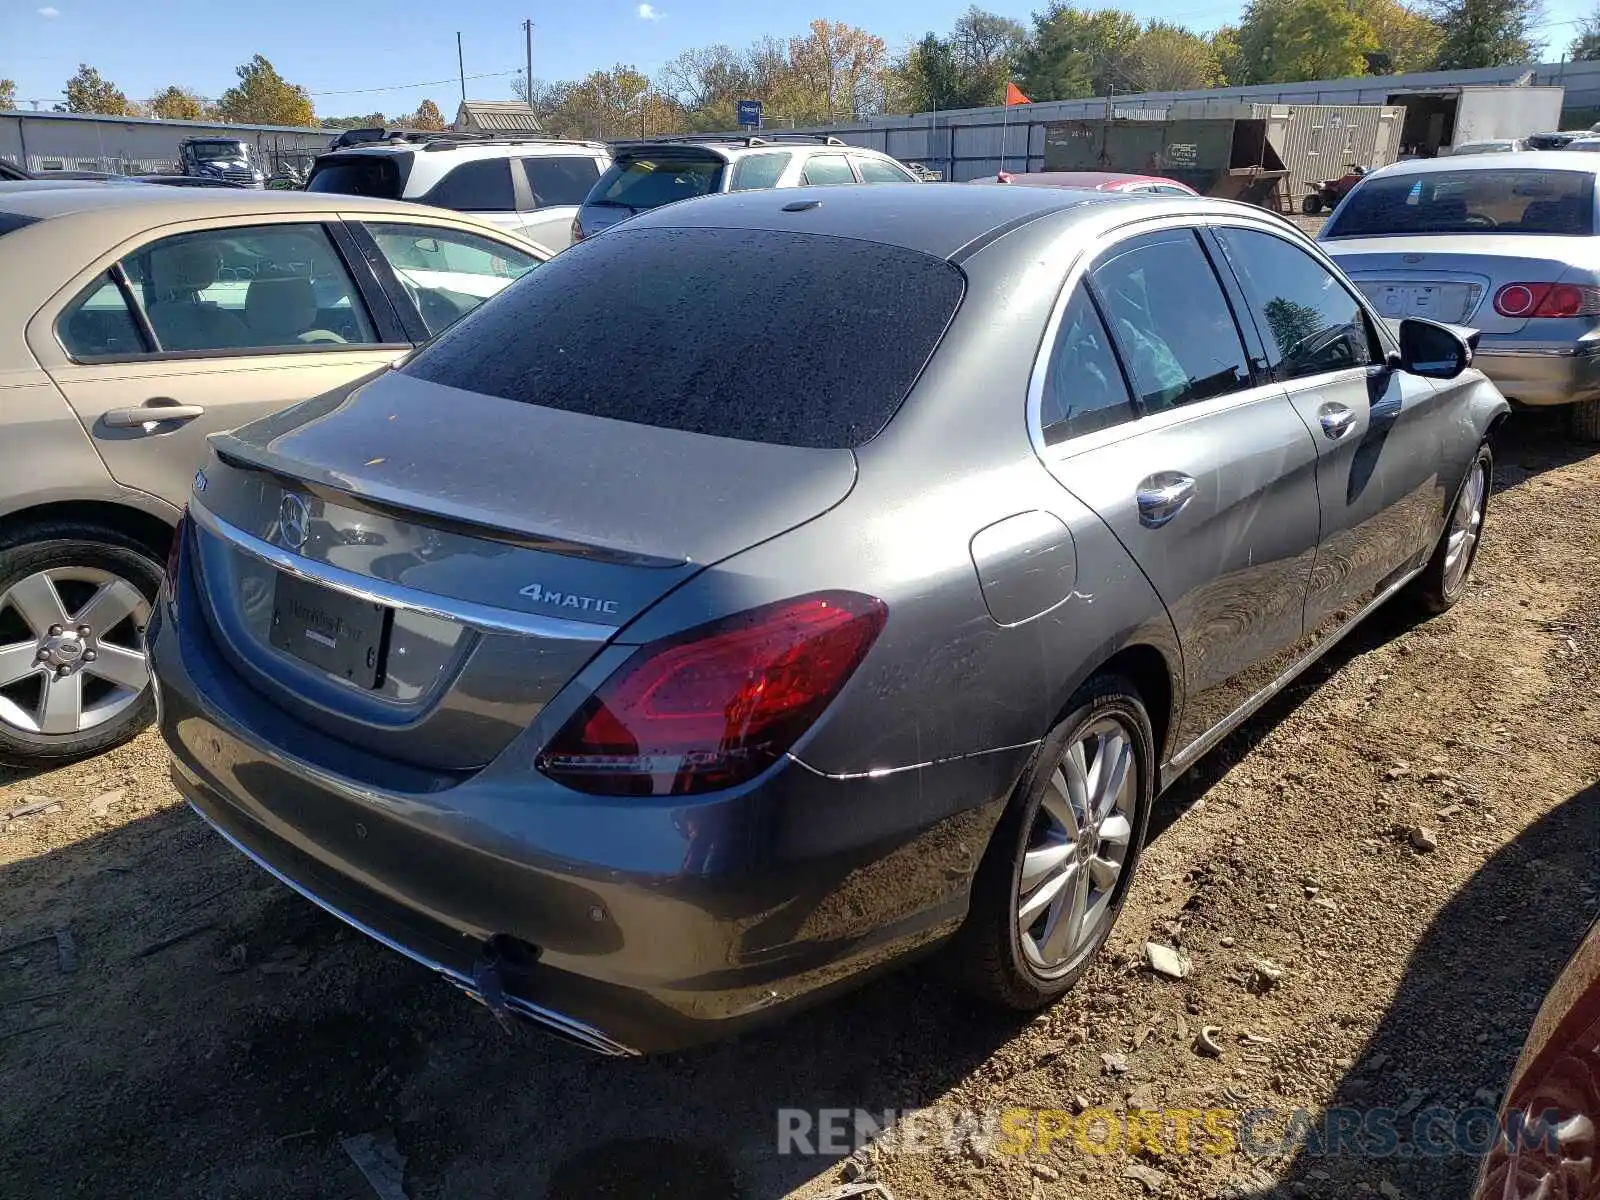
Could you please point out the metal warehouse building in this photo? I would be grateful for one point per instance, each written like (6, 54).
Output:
(44, 142)
(971, 143)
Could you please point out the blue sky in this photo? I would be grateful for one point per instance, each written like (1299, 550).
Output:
(357, 47)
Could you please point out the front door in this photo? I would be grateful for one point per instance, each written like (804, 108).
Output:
(1378, 430)
(202, 331)
(1211, 486)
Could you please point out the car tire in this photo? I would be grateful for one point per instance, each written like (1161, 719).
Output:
(100, 579)
(1311, 205)
(1584, 420)
(1000, 955)
(1444, 580)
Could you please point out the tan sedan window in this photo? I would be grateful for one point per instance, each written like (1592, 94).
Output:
(226, 290)
(446, 272)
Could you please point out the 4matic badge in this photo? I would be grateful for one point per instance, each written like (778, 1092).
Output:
(543, 595)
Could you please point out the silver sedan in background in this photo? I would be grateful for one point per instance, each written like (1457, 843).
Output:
(1504, 245)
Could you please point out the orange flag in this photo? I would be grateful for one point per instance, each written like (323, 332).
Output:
(1014, 95)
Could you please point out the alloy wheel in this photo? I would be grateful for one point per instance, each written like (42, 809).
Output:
(71, 650)
(1466, 523)
(1077, 848)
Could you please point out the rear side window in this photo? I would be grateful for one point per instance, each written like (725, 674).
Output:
(875, 170)
(1170, 320)
(1083, 387)
(98, 323)
(784, 338)
(1512, 200)
(555, 181)
(1311, 323)
(481, 186)
(358, 175)
(825, 170)
(639, 184)
(756, 171)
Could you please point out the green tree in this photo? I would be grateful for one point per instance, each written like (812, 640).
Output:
(8, 93)
(1486, 33)
(615, 103)
(1585, 47)
(177, 104)
(369, 121)
(1075, 52)
(264, 97)
(1407, 39)
(1291, 323)
(1230, 58)
(86, 92)
(427, 116)
(1285, 41)
(1169, 58)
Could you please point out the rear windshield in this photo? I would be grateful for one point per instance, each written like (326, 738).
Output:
(784, 338)
(637, 184)
(358, 175)
(1498, 201)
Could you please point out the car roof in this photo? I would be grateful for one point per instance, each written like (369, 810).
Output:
(937, 219)
(1076, 179)
(731, 145)
(454, 148)
(149, 205)
(1528, 160)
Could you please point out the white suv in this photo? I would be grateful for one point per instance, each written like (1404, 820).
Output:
(647, 174)
(530, 186)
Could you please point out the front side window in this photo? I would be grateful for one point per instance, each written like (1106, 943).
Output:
(448, 273)
(875, 170)
(481, 186)
(227, 290)
(1170, 320)
(556, 180)
(754, 172)
(826, 170)
(1496, 200)
(1083, 387)
(1309, 320)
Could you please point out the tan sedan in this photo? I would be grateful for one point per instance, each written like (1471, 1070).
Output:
(134, 321)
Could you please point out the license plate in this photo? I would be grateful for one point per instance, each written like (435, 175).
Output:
(344, 635)
(1435, 301)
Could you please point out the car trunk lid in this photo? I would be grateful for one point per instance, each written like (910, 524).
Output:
(493, 547)
(1450, 278)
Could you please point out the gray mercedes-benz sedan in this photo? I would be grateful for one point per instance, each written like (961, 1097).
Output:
(783, 584)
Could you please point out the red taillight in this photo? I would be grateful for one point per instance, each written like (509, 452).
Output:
(718, 705)
(1547, 300)
(175, 548)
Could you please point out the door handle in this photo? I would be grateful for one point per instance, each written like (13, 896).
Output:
(157, 409)
(1162, 496)
(1337, 420)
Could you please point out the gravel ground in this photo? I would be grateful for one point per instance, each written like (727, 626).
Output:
(221, 1036)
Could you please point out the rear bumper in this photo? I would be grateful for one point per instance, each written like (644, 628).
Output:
(1541, 375)
(640, 925)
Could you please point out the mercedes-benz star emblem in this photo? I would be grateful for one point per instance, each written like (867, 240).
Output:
(294, 521)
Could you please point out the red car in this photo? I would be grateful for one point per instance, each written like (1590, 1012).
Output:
(1094, 181)
(1549, 1144)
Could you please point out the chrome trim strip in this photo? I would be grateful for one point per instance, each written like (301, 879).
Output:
(482, 617)
(585, 1035)
(1197, 749)
(1500, 350)
(882, 772)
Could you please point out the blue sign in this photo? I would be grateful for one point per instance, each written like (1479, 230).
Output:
(750, 113)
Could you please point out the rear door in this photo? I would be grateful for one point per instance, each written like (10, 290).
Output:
(1385, 440)
(550, 187)
(484, 187)
(1207, 476)
(171, 338)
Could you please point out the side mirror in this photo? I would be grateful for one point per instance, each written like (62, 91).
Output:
(1432, 350)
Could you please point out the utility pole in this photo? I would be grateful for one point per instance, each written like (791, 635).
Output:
(527, 79)
(461, 67)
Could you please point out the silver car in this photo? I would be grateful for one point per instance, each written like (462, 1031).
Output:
(784, 583)
(1505, 245)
